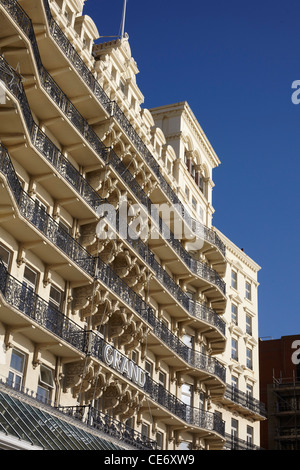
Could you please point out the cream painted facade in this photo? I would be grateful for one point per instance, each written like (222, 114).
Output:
(127, 333)
(240, 407)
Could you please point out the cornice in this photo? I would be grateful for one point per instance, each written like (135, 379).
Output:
(237, 252)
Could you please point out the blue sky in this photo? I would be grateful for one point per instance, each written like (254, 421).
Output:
(234, 62)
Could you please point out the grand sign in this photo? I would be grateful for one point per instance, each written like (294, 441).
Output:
(125, 366)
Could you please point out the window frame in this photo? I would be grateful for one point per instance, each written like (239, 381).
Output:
(249, 358)
(234, 279)
(248, 290)
(234, 349)
(15, 372)
(10, 254)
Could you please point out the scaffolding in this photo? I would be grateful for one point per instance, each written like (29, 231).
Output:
(284, 421)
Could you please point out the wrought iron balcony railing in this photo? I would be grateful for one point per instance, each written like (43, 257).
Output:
(114, 110)
(105, 423)
(45, 146)
(245, 400)
(235, 443)
(20, 297)
(95, 267)
(22, 19)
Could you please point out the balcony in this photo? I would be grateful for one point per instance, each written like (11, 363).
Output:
(235, 443)
(43, 144)
(21, 18)
(40, 312)
(96, 267)
(49, 228)
(244, 403)
(199, 269)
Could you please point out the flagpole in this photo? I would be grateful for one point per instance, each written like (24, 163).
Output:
(123, 19)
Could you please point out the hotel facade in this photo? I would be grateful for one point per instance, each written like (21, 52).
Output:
(127, 321)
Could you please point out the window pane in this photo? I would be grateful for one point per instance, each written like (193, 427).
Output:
(30, 276)
(248, 290)
(234, 279)
(145, 430)
(42, 394)
(234, 313)
(17, 361)
(46, 376)
(4, 255)
(55, 296)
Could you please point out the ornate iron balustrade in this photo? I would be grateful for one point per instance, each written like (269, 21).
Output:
(22, 298)
(193, 358)
(111, 426)
(235, 443)
(189, 414)
(245, 400)
(38, 217)
(21, 17)
(44, 145)
(197, 267)
(37, 309)
(30, 210)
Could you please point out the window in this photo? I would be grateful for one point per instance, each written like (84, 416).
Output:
(45, 384)
(201, 213)
(234, 349)
(148, 368)
(249, 358)
(5, 255)
(235, 386)
(249, 390)
(194, 203)
(162, 379)
(129, 423)
(248, 290)
(159, 440)
(145, 430)
(134, 357)
(184, 445)
(202, 401)
(249, 436)
(234, 279)
(234, 314)
(55, 299)
(234, 431)
(234, 382)
(187, 192)
(188, 340)
(41, 212)
(64, 226)
(201, 183)
(16, 369)
(30, 278)
(248, 325)
(187, 394)
(122, 86)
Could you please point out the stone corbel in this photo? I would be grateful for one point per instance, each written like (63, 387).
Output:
(47, 277)
(21, 256)
(37, 352)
